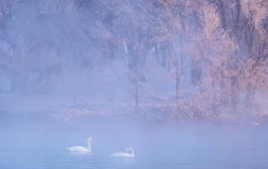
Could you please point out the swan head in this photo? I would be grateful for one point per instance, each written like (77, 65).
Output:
(129, 150)
(90, 139)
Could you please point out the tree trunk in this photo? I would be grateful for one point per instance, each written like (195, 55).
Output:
(136, 96)
(134, 74)
(234, 94)
(178, 76)
(178, 86)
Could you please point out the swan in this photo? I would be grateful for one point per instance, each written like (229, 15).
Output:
(80, 148)
(128, 152)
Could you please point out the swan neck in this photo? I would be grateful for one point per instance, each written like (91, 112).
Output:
(88, 145)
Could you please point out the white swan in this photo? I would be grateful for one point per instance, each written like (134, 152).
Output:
(128, 152)
(80, 148)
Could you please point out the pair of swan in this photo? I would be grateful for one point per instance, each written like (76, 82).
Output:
(128, 152)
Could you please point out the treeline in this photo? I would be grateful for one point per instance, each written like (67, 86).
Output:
(224, 43)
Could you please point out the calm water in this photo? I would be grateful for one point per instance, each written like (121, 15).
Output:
(27, 144)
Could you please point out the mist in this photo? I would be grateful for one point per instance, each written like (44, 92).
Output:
(181, 82)
(39, 142)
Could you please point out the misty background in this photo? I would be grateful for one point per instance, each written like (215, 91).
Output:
(166, 60)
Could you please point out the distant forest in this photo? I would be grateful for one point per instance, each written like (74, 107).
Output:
(224, 44)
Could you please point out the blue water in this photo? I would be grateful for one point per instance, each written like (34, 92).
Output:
(40, 145)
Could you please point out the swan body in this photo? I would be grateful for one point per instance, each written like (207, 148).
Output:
(128, 152)
(80, 148)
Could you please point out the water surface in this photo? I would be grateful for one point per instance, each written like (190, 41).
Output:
(28, 143)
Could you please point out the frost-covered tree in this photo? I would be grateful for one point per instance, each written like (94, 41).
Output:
(168, 24)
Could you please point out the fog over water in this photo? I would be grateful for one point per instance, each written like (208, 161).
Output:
(39, 142)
